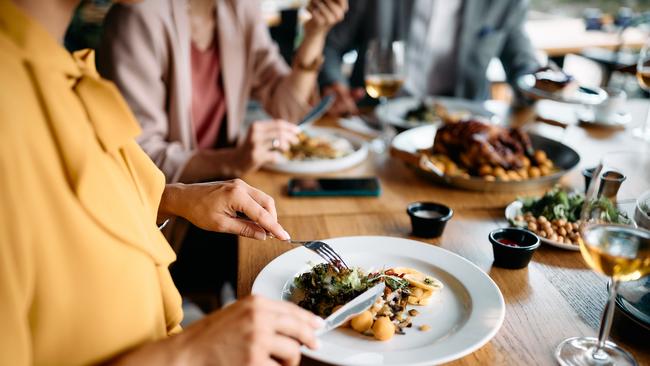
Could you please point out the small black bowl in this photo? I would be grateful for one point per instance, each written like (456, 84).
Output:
(428, 219)
(517, 254)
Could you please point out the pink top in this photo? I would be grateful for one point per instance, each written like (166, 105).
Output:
(208, 100)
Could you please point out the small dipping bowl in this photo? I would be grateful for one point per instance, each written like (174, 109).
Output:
(428, 219)
(513, 248)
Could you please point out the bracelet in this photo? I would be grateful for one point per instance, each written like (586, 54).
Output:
(314, 67)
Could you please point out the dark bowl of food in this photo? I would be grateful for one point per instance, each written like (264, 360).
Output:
(428, 219)
(513, 248)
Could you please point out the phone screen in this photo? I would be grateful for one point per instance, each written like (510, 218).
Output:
(334, 187)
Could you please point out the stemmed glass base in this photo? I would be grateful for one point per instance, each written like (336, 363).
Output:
(581, 351)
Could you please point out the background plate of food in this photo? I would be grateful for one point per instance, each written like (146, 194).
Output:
(555, 216)
(459, 311)
(476, 155)
(555, 84)
(322, 150)
(409, 112)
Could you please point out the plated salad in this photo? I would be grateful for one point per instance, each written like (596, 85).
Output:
(556, 215)
(324, 289)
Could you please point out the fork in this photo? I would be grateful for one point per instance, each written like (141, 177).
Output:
(319, 247)
(324, 251)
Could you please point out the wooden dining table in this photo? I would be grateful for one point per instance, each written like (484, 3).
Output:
(557, 296)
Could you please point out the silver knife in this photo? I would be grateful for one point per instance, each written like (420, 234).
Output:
(357, 306)
(318, 111)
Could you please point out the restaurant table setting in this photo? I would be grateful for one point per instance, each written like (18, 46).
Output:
(488, 241)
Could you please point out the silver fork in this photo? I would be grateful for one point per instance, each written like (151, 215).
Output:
(324, 251)
(321, 248)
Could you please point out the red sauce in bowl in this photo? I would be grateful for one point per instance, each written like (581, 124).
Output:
(508, 242)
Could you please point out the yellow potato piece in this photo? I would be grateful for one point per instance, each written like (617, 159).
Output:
(362, 322)
(383, 329)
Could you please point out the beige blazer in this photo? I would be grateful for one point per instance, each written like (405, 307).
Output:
(146, 52)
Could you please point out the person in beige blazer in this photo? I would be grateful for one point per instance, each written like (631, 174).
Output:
(146, 51)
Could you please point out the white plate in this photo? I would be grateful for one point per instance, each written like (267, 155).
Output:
(466, 314)
(514, 209)
(572, 94)
(359, 154)
(394, 110)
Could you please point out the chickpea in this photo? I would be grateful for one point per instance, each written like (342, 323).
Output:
(542, 234)
(549, 232)
(534, 172)
(499, 171)
(567, 241)
(489, 178)
(504, 178)
(514, 175)
(552, 236)
(383, 329)
(562, 231)
(485, 170)
(545, 170)
(547, 225)
(362, 322)
(560, 239)
(568, 227)
(561, 222)
(540, 156)
(525, 161)
(548, 164)
(576, 226)
(532, 226)
(523, 173)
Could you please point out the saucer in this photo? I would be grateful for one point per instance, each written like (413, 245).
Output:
(612, 120)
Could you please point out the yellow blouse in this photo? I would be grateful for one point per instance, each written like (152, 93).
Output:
(83, 268)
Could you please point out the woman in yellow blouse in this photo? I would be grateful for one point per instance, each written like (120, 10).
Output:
(83, 267)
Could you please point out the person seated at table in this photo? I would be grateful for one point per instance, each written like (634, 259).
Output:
(84, 269)
(188, 68)
(449, 46)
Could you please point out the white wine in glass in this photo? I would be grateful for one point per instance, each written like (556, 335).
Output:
(383, 85)
(384, 76)
(643, 76)
(613, 245)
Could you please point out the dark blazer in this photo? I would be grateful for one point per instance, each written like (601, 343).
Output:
(490, 28)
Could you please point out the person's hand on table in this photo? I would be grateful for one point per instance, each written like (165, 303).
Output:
(265, 142)
(251, 332)
(346, 100)
(216, 206)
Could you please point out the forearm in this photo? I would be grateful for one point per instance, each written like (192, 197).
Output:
(303, 82)
(166, 352)
(213, 164)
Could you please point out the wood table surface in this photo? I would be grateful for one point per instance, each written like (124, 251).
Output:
(554, 298)
(561, 36)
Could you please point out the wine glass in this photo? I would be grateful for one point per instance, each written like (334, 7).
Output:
(614, 245)
(643, 76)
(384, 76)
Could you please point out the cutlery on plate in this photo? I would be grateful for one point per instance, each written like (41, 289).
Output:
(318, 111)
(358, 305)
(319, 247)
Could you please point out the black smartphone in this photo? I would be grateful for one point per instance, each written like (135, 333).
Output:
(333, 187)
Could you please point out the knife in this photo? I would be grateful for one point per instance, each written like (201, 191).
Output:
(357, 306)
(318, 111)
